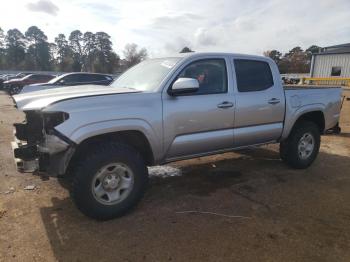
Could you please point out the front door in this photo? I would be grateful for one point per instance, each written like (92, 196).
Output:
(203, 121)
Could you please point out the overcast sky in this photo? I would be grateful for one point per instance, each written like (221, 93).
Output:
(165, 26)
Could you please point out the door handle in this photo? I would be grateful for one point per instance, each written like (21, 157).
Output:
(225, 104)
(274, 101)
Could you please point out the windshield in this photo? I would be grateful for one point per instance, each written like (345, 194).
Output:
(25, 77)
(57, 78)
(147, 75)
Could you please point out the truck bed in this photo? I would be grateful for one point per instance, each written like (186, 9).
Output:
(301, 98)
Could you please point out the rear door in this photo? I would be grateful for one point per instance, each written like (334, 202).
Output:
(203, 121)
(260, 102)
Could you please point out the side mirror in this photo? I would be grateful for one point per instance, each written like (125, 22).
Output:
(184, 86)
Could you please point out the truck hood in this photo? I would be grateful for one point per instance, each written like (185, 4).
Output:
(41, 99)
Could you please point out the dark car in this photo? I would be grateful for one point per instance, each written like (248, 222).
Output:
(14, 86)
(71, 79)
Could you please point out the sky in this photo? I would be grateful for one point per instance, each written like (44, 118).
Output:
(166, 26)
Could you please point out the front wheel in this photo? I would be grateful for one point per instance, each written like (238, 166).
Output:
(109, 181)
(15, 90)
(302, 146)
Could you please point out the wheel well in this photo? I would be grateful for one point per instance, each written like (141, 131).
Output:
(316, 117)
(133, 138)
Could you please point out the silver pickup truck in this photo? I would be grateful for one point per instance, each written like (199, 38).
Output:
(164, 110)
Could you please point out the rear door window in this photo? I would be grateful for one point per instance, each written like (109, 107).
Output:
(95, 78)
(45, 77)
(34, 77)
(75, 78)
(253, 75)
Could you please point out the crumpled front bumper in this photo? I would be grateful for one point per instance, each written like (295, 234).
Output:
(24, 164)
(51, 155)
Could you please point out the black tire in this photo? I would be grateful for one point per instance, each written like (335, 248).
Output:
(17, 90)
(14, 90)
(289, 149)
(87, 168)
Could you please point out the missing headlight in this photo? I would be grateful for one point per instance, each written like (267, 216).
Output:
(53, 119)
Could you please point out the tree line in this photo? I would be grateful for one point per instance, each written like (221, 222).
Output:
(93, 52)
(90, 52)
(295, 61)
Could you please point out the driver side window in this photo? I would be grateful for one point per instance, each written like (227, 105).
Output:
(211, 75)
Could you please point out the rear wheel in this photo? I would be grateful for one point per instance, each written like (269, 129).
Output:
(302, 146)
(109, 181)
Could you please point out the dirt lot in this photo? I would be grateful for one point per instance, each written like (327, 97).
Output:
(289, 215)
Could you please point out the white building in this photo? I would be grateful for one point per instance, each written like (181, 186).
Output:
(331, 61)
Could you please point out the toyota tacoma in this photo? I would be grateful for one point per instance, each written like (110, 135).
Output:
(164, 110)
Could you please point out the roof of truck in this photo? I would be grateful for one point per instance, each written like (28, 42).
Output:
(194, 54)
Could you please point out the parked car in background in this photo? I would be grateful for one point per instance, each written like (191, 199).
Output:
(14, 86)
(6, 77)
(71, 79)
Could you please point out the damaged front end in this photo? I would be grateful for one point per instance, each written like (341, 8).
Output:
(39, 146)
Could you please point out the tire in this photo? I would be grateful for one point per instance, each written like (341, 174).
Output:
(14, 90)
(302, 146)
(92, 173)
(17, 90)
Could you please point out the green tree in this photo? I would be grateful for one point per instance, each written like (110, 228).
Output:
(75, 43)
(89, 51)
(106, 59)
(15, 49)
(64, 60)
(297, 60)
(2, 50)
(134, 56)
(186, 50)
(313, 49)
(38, 55)
(274, 55)
(2, 38)
(310, 51)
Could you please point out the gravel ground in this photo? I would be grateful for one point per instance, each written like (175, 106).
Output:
(249, 207)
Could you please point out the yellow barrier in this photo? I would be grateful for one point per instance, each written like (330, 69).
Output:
(326, 81)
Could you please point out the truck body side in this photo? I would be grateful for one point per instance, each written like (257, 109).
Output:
(193, 125)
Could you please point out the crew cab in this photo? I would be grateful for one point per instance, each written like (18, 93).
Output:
(164, 110)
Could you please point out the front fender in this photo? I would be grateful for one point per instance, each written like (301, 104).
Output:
(111, 126)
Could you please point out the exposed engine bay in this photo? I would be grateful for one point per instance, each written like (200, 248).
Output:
(37, 143)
